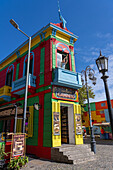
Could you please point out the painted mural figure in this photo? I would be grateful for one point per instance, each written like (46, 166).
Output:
(64, 62)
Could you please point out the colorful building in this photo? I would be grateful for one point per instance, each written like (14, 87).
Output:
(99, 114)
(50, 84)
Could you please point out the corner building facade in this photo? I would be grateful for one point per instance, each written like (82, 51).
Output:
(58, 121)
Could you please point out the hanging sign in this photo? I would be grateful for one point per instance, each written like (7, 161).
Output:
(18, 145)
(64, 93)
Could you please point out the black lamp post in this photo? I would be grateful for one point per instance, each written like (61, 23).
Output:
(90, 72)
(102, 64)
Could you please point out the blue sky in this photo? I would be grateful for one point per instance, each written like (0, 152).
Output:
(91, 21)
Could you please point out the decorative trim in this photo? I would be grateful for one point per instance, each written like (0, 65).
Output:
(71, 40)
(10, 68)
(40, 36)
(54, 32)
(43, 34)
(18, 53)
(63, 49)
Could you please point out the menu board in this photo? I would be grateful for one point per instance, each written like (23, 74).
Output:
(78, 124)
(18, 145)
(56, 123)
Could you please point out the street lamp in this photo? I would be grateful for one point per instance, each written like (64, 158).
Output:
(27, 75)
(90, 73)
(102, 64)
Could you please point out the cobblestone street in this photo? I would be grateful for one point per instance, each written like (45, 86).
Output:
(104, 159)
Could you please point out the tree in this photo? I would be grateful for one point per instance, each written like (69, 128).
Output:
(83, 96)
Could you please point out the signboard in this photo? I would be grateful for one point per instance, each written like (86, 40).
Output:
(78, 124)
(18, 145)
(56, 123)
(65, 94)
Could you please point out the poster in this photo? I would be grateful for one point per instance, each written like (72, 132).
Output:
(56, 123)
(78, 124)
(18, 145)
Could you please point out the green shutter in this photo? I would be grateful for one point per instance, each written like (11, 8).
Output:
(73, 62)
(17, 71)
(42, 58)
(47, 131)
(34, 139)
(53, 56)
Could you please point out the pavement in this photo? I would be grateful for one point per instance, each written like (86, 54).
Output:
(104, 159)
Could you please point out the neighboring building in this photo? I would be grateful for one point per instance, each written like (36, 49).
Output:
(52, 86)
(99, 114)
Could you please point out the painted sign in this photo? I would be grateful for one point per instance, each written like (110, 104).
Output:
(56, 123)
(65, 94)
(18, 145)
(78, 123)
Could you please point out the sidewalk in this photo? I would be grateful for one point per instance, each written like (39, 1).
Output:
(104, 159)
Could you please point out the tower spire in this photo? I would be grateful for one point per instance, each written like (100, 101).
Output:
(61, 17)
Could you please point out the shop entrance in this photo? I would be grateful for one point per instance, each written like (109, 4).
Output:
(67, 124)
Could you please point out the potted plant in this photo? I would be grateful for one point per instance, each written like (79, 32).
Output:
(16, 163)
(2, 154)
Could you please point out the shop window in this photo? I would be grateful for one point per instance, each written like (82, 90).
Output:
(63, 60)
(9, 75)
(103, 104)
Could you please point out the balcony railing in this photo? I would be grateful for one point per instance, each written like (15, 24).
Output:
(18, 86)
(67, 78)
(5, 93)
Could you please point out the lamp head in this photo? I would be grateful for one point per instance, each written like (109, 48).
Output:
(94, 80)
(37, 106)
(102, 63)
(14, 24)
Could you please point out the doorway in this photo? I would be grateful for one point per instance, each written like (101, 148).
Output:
(67, 124)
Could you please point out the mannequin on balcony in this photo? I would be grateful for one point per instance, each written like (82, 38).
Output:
(64, 62)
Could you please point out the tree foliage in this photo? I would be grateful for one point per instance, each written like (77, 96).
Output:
(83, 96)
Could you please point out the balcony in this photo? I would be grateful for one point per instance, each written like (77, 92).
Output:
(18, 86)
(5, 93)
(67, 78)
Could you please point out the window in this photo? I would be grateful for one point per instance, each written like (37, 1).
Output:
(63, 60)
(9, 75)
(103, 104)
(30, 67)
(31, 64)
(9, 78)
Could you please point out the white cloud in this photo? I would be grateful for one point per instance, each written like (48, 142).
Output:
(100, 35)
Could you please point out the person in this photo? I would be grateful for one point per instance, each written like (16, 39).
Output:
(102, 131)
(64, 62)
(85, 134)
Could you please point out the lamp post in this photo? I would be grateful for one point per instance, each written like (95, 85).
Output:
(102, 64)
(27, 75)
(90, 72)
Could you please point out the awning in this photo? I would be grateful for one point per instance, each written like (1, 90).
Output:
(8, 112)
(102, 124)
